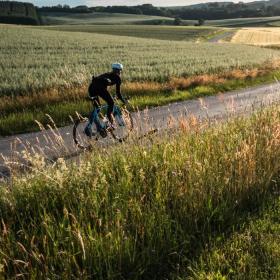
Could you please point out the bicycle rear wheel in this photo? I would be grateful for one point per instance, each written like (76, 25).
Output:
(82, 135)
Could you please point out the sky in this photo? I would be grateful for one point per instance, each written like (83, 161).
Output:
(92, 3)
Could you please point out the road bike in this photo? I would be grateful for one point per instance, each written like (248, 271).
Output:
(97, 126)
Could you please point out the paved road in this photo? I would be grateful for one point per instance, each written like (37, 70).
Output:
(59, 143)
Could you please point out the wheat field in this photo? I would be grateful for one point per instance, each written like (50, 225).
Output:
(257, 36)
(33, 60)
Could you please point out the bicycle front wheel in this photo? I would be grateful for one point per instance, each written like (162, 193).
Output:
(123, 125)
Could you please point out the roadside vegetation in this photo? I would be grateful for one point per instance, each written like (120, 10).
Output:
(21, 111)
(44, 73)
(151, 209)
(250, 252)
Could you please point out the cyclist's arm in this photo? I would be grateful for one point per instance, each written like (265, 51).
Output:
(118, 92)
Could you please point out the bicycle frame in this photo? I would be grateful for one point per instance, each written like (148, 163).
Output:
(120, 131)
(95, 119)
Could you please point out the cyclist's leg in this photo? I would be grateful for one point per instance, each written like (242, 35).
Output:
(96, 102)
(104, 94)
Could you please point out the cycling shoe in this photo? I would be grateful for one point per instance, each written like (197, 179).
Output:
(88, 131)
(103, 133)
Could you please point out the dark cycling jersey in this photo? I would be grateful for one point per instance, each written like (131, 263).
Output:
(98, 87)
(105, 80)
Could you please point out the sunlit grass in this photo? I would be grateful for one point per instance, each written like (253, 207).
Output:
(143, 209)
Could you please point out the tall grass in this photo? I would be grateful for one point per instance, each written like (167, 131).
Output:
(142, 210)
(251, 251)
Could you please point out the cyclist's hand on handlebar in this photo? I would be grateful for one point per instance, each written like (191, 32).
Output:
(125, 100)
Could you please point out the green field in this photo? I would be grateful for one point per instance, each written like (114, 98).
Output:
(48, 71)
(177, 33)
(97, 18)
(109, 18)
(244, 22)
(177, 206)
(34, 60)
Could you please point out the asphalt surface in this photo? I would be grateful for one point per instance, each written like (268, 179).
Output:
(59, 142)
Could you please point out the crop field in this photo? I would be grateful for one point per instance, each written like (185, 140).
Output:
(181, 205)
(244, 22)
(34, 59)
(96, 18)
(178, 33)
(117, 19)
(257, 36)
(47, 71)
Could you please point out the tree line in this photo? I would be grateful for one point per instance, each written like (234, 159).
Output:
(26, 13)
(18, 13)
(208, 11)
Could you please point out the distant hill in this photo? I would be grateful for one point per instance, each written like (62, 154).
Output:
(227, 10)
(206, 11)
(207, 5)
(18, 13)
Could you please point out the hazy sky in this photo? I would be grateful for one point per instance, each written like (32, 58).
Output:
(92, 3)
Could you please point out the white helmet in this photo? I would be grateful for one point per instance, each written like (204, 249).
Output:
(117, 66)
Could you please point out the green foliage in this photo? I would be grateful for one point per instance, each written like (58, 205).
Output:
(18, 13)
(252, 252)
(141, 210)
(177, 21)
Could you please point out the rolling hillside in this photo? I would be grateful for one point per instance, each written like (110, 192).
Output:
(52, 18)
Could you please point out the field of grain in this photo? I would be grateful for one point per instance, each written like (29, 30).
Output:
(177, 33)
(257, 36)
(34, 60)
(52, 18)
(244, 22)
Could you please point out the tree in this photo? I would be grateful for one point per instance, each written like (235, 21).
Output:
(177, 21)
(201, 21)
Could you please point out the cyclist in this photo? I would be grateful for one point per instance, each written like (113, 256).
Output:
(98, 88)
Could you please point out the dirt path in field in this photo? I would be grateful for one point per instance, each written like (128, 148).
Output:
(225, 36)
(58, 143)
